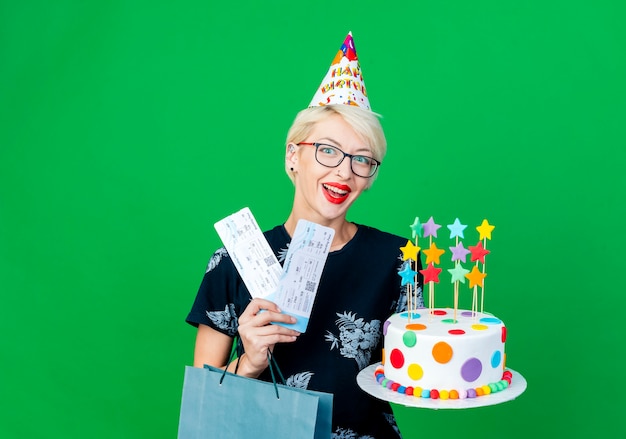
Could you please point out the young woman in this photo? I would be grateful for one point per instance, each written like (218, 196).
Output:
(332, 155)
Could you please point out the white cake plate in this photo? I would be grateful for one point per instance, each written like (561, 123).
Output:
(368, 383)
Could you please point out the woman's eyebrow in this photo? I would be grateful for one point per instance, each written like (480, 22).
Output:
(333, 141)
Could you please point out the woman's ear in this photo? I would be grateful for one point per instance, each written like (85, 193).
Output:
(291, 151)
(291, 158)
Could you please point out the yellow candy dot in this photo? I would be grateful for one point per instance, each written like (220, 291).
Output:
(486, 389)
(415, 371)
(479, 327)
(444, 394)
(417, 392)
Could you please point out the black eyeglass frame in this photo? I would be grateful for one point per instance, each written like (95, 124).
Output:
(345, 154)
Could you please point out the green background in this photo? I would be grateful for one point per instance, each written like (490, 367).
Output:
(127, 128)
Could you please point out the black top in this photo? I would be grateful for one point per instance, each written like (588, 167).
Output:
(359, 289)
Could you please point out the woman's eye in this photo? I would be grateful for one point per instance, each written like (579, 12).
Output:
(362, 160)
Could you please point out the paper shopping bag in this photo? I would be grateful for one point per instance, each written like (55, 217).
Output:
(241, 407)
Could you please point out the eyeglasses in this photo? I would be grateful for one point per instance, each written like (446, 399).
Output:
(331, 157)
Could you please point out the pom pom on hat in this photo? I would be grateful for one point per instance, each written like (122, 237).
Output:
(343, 84)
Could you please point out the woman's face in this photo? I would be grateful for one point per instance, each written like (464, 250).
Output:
(324, 194)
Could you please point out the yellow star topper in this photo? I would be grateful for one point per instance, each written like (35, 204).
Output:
(409, 251)
(485, 230)
(476, 277)
(433, 254)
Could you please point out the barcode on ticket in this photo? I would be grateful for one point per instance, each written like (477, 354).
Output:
(310, 286)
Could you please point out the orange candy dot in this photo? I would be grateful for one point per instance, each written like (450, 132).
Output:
(415, 326)
(442, 352)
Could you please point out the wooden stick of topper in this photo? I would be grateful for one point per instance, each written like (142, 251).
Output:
(417, 231)
(433, 254)
(476, 277)
(458, 252)
(409, 276)
(484, 231)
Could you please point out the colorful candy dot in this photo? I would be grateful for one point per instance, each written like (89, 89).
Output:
(415, 327)
(434, 394)
(471, 369)
(414, 315)
(385, 326)
(415, 371)
(425, 393)
(409, 338)
(456, 332)
(397, 358)
(496, 358)
(444, 394)
(442, 352)
(490, 320)
(478, 327)
(503, 334)
(454, 394)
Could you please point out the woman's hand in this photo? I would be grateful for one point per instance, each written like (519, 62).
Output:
(258, 335)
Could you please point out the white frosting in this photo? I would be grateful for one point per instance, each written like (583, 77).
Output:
(431, 355)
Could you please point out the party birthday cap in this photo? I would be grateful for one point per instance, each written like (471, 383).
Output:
(343, 84)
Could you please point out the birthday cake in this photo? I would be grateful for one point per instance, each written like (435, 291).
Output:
(444, 353)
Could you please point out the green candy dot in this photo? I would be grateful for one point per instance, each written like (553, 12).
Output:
(409, 339)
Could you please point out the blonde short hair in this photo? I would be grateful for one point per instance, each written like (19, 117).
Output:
(364, 122)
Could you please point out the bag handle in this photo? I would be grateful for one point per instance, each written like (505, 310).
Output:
(271, 361)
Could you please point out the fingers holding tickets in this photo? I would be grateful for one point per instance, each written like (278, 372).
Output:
(258, 334)
(257, 305)
(264, 312)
